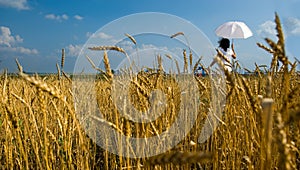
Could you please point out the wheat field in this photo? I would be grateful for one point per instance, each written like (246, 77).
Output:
(259, 129)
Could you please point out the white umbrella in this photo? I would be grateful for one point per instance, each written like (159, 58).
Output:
(233, 29)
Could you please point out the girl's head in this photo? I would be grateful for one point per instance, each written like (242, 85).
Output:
(224, 43)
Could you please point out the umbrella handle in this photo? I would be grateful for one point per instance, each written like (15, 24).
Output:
(232, 47)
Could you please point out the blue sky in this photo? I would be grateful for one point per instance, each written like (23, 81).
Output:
(36, 31)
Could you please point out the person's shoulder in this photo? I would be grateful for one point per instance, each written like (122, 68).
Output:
(219, 48)
(229, 51)
(222, 50)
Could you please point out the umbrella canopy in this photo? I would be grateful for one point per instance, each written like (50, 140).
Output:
(233, 29)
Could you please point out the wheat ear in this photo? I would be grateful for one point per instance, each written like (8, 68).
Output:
(62, 64)
(131, 38)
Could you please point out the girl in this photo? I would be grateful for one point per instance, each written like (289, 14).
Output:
(224, 45)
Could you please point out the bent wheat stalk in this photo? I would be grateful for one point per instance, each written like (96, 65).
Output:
(114, 48)
(131, 38)
(105, 48)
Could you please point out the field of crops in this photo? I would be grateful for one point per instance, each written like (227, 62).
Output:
(259, 127)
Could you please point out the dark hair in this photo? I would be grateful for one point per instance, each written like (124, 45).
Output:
(224, 43)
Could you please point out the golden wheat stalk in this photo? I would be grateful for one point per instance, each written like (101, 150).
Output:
(58, 71)
(201, 84)
(246, 69)
(93, 64)
(191, 60)
(169, 56)
(104, 122)
(176, 34)
(20, 68)
(197, 63)
(293, 68)
(144, 91)
(205, 69)
(131, 38)
(279, 31)
(114, 48)
(253, 100)
(267, 120)
(160, 63)
(265, 48)
(62, 58)
(219, 61)
(229, 76)
(284, 156)
(286, 75)
(257, 70)
(105, 48)
(66, 76)
(177, 66)
(188, 44)
(222, 56)
(143, 79)
(42, 85)
(5, 97)
(273, 45)
(185, 67)
(107, 65)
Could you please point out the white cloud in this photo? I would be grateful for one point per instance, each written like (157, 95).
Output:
(27, 50)
(73, 50)
(57, 17)
(8, 42)
(292, 26)
(267, 29)
(101, 35)
(62, 17)
(102, 38)
(18, 4)
(20, 50)
(50, 16)
(88, 34)
(65, 17)
(78, 17)
(7, 39)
